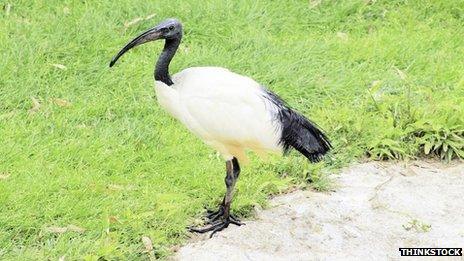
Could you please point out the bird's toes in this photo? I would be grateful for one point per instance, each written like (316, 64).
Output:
(211, 226)
(224, 224)
(202, 229)
(232, 217)
(236, 222)
(217, 225)
(219, 228)
(212, 214)
(214, 218)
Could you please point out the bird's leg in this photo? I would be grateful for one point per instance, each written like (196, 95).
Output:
(222, 218)
(233, 171)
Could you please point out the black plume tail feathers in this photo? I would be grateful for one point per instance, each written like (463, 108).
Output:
(303, 135)
(297, 131)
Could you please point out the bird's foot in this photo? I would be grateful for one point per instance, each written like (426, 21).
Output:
(217, 226)
(217, 221)
(213, 216)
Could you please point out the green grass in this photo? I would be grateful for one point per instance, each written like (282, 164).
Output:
(383, 78)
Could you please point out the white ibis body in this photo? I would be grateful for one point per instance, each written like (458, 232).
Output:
(229, 112)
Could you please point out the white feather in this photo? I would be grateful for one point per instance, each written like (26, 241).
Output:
(226, 110)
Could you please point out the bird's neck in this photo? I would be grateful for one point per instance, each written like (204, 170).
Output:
(162, 66)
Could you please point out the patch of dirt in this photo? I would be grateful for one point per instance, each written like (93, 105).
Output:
(375, 209)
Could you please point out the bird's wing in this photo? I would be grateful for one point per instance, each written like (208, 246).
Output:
(236, 116)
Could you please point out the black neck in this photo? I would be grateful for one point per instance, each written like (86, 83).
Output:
(162, 65)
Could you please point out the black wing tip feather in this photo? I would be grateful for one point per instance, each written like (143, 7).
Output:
(298, 132)
(304, 136)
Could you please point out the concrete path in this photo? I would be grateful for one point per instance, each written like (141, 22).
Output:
(375, 209)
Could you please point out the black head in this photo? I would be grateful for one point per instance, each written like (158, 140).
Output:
(170, 28)
(167, 29)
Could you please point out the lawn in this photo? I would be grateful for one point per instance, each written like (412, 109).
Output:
(90, 164)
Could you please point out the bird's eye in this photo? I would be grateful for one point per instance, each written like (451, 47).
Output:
(171, 28)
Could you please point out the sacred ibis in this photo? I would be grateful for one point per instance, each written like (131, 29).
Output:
(229, 112)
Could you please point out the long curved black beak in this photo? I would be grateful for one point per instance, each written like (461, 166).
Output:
(147, 36)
